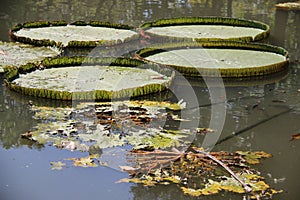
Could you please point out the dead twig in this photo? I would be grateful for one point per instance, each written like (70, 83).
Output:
(247, 188)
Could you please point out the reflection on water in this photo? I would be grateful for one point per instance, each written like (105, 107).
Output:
(10, 128)
(253, 108)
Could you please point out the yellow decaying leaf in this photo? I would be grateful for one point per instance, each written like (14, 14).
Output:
(191, 191)
(57, 165)
(211, 188)
(84, 162)
(174, 179)
(253, 157)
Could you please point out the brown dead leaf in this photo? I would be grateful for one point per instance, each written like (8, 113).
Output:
(27, 135)
(129, 169)
(204, 130)
(295, 136)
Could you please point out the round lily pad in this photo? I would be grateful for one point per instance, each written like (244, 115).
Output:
(77, 34)
(79, 78)
(230, 59)
(206, 29)
(16, 54)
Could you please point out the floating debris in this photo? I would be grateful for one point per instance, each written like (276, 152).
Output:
(295, 136)
(197, 174)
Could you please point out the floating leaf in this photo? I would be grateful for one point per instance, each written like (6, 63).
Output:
(295, 136)
(253, 157)
(57, 165)
(27, 135)
(190, 170)
(191, 191)
(204, 130)
(173, 179)
(16, 54)
(229, 59)
(205, 29)
(129, 169)
(106, 124)
(211, 188)
(77, 34)
(85, 161)
(99, 79)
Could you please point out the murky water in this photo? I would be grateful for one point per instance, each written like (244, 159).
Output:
(262, 113)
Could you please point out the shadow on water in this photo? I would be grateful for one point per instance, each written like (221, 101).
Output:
(261, 114)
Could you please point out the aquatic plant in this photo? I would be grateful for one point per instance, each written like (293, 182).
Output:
(16, 54)
(152, 155)
(205, 29)
(229, 59)
(76, 34)
(60, 76)
(198, 173)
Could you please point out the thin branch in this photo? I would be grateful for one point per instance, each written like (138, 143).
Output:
(245, 186)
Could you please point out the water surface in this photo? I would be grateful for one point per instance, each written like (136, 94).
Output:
(264, 113)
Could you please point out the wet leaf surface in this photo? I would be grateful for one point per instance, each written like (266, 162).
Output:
(216, 58)
(89, 78)
(16, 54)
(70, 33)
(205, 31)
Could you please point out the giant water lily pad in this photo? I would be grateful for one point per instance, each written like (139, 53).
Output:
(94, 78)
(16, 54)
(229, 59)
(206, 29)
(77, 34)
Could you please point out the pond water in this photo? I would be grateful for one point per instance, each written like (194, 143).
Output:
(263, 113)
